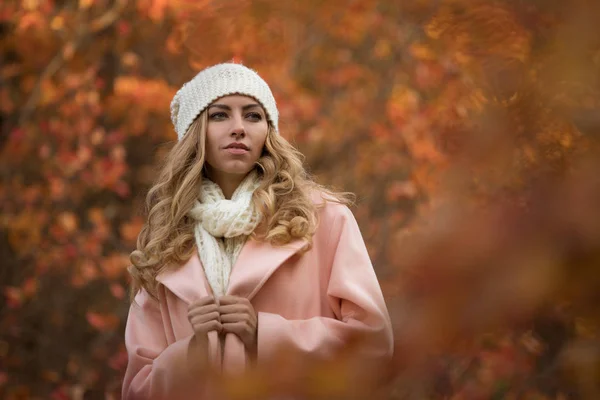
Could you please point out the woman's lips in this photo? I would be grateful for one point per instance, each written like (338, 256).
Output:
(236, 150)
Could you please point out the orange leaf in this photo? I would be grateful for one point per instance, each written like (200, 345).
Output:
(102, 322)
(131, 229)
(30, 287)
(68, 221)
(114, 265)
(400, 190)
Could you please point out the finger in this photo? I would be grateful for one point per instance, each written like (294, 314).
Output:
(227, 300)
(208, 327)
(199, 319)
(244, 332)
(232, 318)
(233, 308)
(239, 328)
(210, 299)
(203, 310)
(203, 302)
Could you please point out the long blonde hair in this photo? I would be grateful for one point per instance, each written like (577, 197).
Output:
(283, 198)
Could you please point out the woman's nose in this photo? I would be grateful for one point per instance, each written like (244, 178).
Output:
(238, 127)
(238, 133)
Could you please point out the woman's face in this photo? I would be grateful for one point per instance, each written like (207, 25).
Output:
(237, 130)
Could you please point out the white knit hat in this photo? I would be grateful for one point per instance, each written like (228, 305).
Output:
(213, 83)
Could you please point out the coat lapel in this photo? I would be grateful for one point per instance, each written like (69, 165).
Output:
(256, 263)
(190, 284)
(187, 282)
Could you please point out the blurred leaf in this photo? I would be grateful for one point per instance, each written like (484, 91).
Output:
(102, 322)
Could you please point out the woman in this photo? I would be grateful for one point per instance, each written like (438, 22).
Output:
(242, 254)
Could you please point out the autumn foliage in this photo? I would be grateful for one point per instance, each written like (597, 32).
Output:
(469, 129)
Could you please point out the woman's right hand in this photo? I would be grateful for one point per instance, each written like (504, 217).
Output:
(204, 317)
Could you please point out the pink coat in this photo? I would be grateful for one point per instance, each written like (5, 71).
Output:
(310, 303)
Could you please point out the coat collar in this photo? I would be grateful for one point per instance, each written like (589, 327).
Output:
(187, 282)
(257, 261)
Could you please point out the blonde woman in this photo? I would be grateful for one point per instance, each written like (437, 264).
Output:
(242, 254)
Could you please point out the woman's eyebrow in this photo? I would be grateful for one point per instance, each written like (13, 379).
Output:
(226, 107)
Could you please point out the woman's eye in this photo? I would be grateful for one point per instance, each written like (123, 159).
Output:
(218, 115)
(254, 116)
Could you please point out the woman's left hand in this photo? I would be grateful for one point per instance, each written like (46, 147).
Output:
(238, 316)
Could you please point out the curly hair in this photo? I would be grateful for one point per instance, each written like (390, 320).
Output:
(284, 198)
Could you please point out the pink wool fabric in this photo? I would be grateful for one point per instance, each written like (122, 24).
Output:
(310, 303)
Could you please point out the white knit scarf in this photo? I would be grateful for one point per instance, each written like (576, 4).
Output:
(230, 220)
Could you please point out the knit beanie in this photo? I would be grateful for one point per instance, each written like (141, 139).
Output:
(213, 83)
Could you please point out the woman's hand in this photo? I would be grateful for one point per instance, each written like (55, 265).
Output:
(238, 316)
(204, 317)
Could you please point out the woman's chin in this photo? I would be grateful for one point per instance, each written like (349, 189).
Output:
(238, 169)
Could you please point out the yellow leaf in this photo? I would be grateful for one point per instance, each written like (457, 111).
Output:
(85, 4)
(31, 4)
(57, 23)
(382, 49)
(422, 52)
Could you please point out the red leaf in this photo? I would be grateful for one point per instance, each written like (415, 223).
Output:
(117, 291)
(14, 297)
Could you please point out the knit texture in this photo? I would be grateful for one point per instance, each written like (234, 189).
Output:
(213, 83)
(223, 227)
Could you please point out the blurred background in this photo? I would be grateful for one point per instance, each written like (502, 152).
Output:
(469, 130)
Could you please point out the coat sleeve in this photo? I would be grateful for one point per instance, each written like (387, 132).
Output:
(156, 369)
(355, 298)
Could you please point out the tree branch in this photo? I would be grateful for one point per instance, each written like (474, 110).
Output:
(67, 51)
